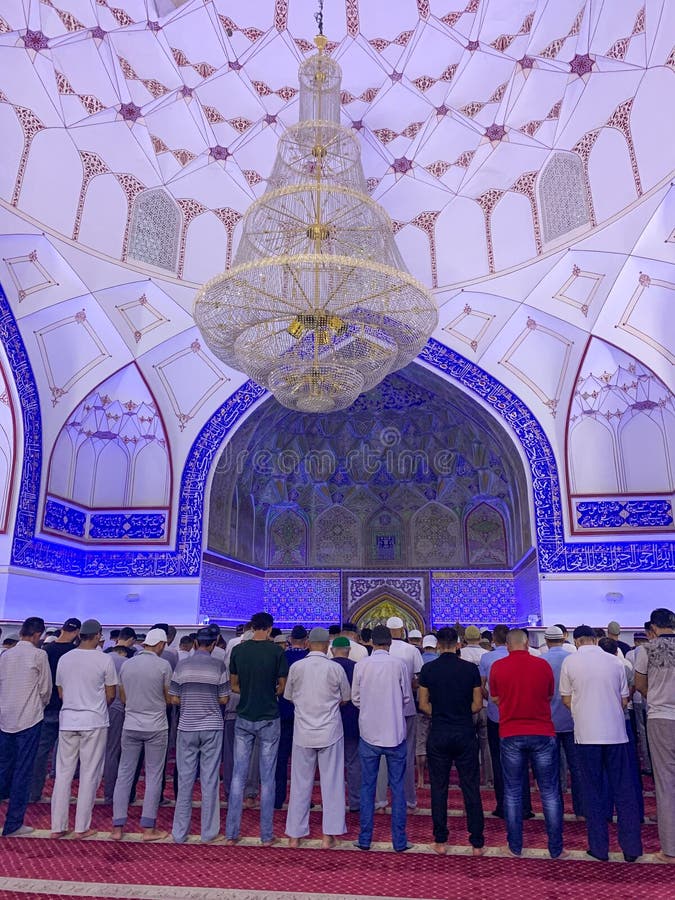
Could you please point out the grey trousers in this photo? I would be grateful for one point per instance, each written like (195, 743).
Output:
(409, 780)
(662, 746)
(331, 762)
(154, 743)
(193, 748)
(353, 769)
(113, 749)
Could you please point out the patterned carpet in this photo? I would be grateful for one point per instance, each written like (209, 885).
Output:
(40, 867)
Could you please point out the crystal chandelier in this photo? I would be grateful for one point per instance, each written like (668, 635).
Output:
(318, 306)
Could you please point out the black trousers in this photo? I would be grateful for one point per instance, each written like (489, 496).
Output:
(602, 766)
(283, 756)
(49, 735)
(445, 746)
(495, 754)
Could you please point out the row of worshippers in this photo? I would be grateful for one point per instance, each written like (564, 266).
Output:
(527, 699)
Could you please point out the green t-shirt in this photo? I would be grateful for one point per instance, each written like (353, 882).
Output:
(259, 664)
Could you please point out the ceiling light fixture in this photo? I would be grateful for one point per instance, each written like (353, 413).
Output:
(318, 306)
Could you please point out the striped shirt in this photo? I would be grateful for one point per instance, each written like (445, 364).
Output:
(25, 687)
(199, 681)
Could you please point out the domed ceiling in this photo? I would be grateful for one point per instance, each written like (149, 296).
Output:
(522, 148)
(413, 465)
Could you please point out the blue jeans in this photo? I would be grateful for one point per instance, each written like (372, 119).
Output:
(370, 755)
(516, 753)
(17, 755)
(245, 732)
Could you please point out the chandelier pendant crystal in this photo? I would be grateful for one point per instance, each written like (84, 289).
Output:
(318, 306)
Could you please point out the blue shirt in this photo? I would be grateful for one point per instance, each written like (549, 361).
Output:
(286, 708)
(429, 657)
(486, 661)
(562, 717)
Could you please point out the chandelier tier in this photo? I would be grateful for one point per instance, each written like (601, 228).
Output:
(318, 306)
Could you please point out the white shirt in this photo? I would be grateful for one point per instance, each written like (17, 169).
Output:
(317, 687)
(534, 651)
(412, 658)
(356, 651)
(596, 681)
(472, 654)
(219, 653)
(381, 689)
(231, 644)
(25, 687)
(83, 676)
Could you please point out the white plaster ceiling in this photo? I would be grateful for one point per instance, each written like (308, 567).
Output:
(458, 107)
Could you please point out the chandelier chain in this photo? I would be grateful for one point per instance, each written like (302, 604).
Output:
(318, 17)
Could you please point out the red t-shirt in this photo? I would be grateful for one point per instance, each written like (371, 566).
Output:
(524, 685)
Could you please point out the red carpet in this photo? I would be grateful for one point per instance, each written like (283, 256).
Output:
(166, 870)
(337, 873)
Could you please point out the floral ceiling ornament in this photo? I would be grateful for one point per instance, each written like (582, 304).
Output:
(318, 306)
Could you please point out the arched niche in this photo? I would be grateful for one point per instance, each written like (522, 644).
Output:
(336, 538)
(367, 501)
(384, 603)
(593, 458)
(485, 534)
(620, 431)
(287, 540)
(113, 453)
(644, 455)
(436, 540)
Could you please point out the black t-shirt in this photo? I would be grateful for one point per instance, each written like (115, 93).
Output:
(450, 682)
(55, 651)
(259, 665)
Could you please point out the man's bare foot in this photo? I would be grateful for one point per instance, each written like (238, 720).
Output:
(218, 839)
(477, 851)
(59, 834)
(90, 832)
(116, 833)
(664, 857)
(230, 842)
(441, 849)
(152, 834)
(271, 843)
(328, 842)
(564, 854)
(294, 843)
(509, 852)
(380, 809)
(249, 802)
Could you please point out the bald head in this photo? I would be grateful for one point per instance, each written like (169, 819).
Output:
(516, 639)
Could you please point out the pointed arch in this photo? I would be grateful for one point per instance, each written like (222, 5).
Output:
(287, 540)
(485, 535)
(619, 453)
(435, 537)
(336, 538)
(111, 456)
